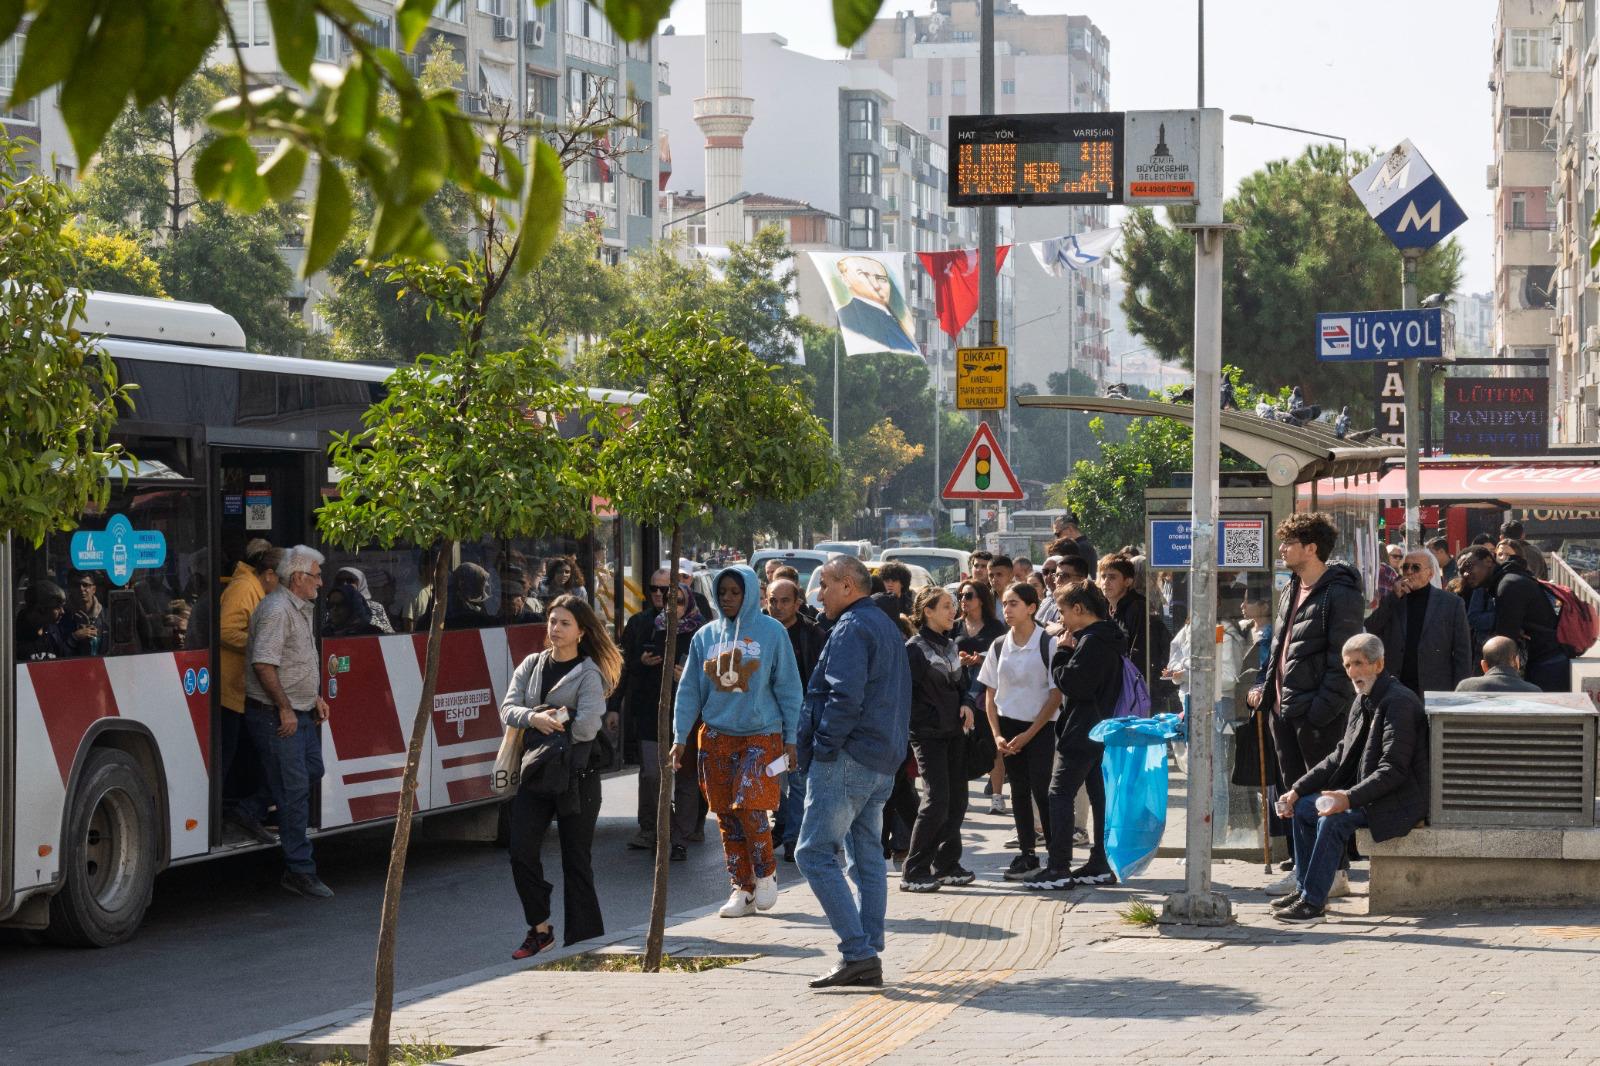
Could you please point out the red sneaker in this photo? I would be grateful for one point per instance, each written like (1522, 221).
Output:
(536, 942)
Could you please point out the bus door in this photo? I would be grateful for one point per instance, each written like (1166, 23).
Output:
(265, 495)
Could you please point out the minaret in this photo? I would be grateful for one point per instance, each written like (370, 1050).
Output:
(723, 114)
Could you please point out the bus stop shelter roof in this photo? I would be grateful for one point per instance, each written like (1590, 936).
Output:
(1291, 455)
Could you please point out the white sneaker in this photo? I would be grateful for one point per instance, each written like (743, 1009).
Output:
(1341, 885)
(1283, 885)
(997, 804)
(766, 892)
(740, 903)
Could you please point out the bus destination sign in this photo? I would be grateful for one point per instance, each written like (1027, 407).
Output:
(1020, 160)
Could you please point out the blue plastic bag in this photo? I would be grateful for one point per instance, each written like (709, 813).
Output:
(1135, 770)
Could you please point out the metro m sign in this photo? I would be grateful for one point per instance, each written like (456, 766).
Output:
(1407, 200)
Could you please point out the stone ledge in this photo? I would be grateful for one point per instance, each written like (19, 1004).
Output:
(1441, 868)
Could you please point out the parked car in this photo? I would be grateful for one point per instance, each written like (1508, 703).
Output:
(920, 579)
(947, 565)
(861, 549)
(805, 560)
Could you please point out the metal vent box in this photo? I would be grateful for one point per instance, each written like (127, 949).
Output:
(1511, 758)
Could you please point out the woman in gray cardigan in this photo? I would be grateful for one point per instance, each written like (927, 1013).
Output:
(561, 689)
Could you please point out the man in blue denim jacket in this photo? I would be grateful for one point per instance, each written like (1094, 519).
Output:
(853, 734)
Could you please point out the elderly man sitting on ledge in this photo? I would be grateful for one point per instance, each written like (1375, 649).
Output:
(1377, 778)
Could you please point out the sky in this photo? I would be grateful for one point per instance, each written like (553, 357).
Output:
(1372, 71)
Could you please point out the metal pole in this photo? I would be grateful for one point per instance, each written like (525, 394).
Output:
(1199, 904)
(834, 535)
(1410, 377)
(988, 302)
(1200, 67)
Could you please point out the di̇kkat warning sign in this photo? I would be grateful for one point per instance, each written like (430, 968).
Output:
(982, 473)
(981, 379)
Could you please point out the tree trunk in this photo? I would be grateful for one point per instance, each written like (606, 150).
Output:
(383, 977)
(669, 656)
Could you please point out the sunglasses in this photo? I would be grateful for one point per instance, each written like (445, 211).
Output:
(969, 595)
(1412, 568)
(659, 588)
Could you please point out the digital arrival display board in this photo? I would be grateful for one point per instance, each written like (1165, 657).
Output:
(1006, 160)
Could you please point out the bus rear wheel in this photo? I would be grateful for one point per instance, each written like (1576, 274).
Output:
(108, 855)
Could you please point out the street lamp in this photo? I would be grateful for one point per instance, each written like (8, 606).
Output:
(1344, 146)
(692, 214)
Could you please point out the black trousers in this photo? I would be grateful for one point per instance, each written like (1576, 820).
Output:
(1077, 767)
(936, 835)
(1028, 773)
(530, 819)
(899, 813)
(1301, 746)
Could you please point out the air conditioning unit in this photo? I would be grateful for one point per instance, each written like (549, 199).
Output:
(1554, 328)
(1553, 241)
(1591, 338)
(504, 29)
(474, 104)
(533, 33)
(1492, 176)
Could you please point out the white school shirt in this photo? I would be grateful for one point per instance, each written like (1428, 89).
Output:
(1018, 677)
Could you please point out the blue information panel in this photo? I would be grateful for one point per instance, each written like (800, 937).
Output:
(1241, 543)
(1383, 336)
(119, 549)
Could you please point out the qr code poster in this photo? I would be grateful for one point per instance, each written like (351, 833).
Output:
(1243, 543)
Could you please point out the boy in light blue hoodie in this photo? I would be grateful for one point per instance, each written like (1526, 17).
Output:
(742, 684)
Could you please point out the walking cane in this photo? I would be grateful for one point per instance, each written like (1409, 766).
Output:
(1261, 756)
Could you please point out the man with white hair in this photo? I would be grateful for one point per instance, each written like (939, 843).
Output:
(284, 709)
(1426, 639)
(1376, 778)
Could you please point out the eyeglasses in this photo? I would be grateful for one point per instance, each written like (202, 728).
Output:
(1412, 568)
(659, 588)
(969, 595)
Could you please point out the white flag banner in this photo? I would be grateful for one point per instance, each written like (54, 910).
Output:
(868, 294)
(1076, 251)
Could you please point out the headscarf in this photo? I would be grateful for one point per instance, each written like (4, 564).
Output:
(690, 620)
(357, 580)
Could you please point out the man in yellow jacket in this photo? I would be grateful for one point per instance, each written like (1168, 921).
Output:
(252, 579)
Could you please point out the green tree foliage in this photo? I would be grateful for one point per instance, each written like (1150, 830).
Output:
(232, 262)
(109, 261)
(715, 431)
(60, 396)
(1040, 435)
(1108, 493)
(102, 54)
(1307, 246)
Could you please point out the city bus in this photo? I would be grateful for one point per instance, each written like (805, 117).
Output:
(108, 754)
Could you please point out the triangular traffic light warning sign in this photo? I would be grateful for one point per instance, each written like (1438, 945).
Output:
(982, 472)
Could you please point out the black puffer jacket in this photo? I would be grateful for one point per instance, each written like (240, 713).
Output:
(1089, 676)
(1522, 611)
(937, 685)
(1315, 687)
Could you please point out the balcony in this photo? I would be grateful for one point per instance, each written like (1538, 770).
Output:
(591, 51)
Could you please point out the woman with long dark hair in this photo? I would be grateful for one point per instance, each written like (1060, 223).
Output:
(561, 690)
(1021, 701)
(940, 716)
(977, 626)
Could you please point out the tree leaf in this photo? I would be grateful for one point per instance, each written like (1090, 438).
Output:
(93, 94)
(411, 18)
(636, 20)
(177, 37)
(330, 218)
(55, 39)
(351, 109)
(852, 18)
(283, 170)
(10, 17)
(423, 150)
(294, 32)
(226, 170)
(542, 205)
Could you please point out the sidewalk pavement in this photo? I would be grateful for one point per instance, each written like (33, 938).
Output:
(995, 974)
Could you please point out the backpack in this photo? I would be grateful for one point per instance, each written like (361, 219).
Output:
(1134, 698)
(1576, 627)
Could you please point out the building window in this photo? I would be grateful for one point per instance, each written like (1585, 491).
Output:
(863, 174)
(1008, 88)
(639, 197)
(450, 10)
(1528, 50)
(543, 95)
(936, 88)
(961, 35)
(863, 227)
(863, 119)
(1519, 210)
(492, 7)
(327, 39)
(888, 236)
(10, 56)
(936, 123)
(376, 31)
(958, 86)
(585, 20)
(250, 20)
(1526, 128)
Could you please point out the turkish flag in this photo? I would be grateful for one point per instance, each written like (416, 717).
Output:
(955, 283)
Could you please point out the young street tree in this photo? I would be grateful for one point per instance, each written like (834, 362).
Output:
(61, 395)
(463, 446)
(716, 431)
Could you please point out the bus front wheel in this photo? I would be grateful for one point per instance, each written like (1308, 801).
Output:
(108, 855)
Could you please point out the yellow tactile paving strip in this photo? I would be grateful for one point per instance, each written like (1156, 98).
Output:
(984, 940)
(886, 1021)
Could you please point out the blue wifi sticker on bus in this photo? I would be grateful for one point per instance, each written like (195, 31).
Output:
(119, 549)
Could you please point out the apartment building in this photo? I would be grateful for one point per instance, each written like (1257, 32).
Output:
(1575, 322)
(1043, 63)
(38, 120)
